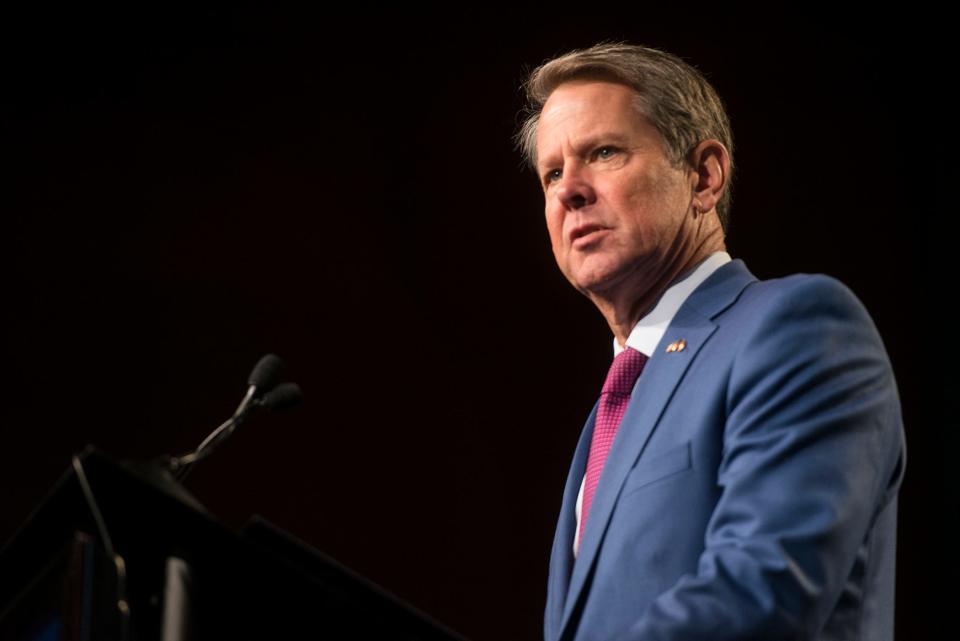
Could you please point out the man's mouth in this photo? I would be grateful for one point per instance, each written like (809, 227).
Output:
(586, 234)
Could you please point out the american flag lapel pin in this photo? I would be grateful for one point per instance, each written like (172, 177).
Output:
(676, 346)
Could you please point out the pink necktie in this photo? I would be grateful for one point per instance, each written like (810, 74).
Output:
(614, 398)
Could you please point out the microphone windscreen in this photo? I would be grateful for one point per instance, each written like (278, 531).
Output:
(266, 372)
(281, 397)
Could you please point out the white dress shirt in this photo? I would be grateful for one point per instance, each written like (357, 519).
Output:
(648, 331)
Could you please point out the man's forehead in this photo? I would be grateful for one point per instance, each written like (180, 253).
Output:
(581, 110)
(586, 94)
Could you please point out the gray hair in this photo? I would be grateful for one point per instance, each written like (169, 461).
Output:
(673, 96)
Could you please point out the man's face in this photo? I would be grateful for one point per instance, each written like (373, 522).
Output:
(617, 210)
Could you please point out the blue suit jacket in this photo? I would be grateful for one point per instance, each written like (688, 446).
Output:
(751, 489)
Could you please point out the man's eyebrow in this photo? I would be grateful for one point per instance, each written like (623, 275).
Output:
(588, 144)
(598, 140)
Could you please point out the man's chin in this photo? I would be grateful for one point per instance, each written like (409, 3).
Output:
(610, 285)
(597, 286)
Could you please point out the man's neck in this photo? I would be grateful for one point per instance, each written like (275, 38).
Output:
(649, 330)
(623, 315)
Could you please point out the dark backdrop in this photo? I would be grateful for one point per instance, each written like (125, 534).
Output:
(185, 191)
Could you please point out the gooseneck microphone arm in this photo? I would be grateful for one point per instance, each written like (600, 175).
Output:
(262, 393)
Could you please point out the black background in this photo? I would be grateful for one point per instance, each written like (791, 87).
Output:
(187, 190)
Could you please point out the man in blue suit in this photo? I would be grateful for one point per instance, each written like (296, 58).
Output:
(738, 478)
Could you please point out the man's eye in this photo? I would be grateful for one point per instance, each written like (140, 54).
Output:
(606, 152)
(553, 175)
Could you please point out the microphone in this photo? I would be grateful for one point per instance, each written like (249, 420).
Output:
(262, 379)
(263, 392)
(266, 372)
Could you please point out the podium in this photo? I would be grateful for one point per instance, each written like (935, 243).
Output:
(187, 576)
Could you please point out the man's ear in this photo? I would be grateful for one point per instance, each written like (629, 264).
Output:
(710, 161)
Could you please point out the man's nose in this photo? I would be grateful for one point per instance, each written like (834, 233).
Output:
(575, 190)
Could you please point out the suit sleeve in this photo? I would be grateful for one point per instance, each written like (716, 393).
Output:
(812, 450)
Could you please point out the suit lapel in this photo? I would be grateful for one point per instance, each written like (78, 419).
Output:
(650, 396)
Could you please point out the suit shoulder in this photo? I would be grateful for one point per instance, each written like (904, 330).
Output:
(800, 286)
(802, 296)
(811, 314)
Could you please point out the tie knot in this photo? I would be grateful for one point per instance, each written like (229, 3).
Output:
(624, 371)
